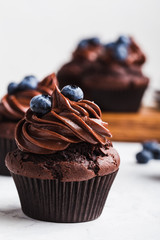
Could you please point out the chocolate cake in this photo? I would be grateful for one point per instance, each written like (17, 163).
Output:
(65, 163)
(110, 74)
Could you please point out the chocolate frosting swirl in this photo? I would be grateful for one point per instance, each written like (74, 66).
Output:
(67, 122)
(14, 106)
(90, 53)
(47, 85)
(135, 55)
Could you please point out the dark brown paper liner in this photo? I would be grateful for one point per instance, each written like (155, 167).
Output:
(56, 201)
(6, 145)
(127, 100)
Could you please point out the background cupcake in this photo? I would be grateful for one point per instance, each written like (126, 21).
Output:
(13, 107)
(113, 78)
(84, 58)
(65, 164)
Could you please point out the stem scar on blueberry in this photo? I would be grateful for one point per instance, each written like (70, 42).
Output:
(73, 92)
(41, 104)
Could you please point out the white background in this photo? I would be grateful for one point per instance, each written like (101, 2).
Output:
(37, 36)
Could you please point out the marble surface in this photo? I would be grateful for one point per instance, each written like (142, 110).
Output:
(132, 210)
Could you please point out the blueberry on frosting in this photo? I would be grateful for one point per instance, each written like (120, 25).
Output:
(73, 92)
(94, 41)
(89, 41)
(12, 88)
(119, 48)
(124, 40)
(83, 44)
(110, 45)
(120, 52)
(41, 104)
(29, 82)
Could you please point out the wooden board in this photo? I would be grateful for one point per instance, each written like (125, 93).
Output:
(134, 127)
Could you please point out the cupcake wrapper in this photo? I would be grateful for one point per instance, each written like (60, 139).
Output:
(56, 201)
(127, 100)
(6, 145)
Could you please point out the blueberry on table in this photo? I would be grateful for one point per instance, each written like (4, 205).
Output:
(156, 154)
(12, 88)
(144, 156)
(41, 104)
(29, 82)
(153, 147)
(120, 52)
(150, 145)
(124, 40)
(73, 92)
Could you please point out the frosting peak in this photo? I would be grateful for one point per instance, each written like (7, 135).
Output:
(88, 49)
(47, 85)
(67, 122)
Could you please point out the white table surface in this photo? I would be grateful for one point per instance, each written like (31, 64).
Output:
(132, 210)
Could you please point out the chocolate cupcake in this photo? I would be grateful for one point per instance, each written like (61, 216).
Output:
(13, 107)
(64, 165)
(84, 58)
(113, 78)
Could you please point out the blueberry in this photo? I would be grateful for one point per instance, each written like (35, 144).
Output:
(124, 39)
(120, 52)
(153, 147)
(72, 92)
(156, 154)
(150, 145)
(12, 87)
(110, 45)
(29, 82)
(41, 104)
(94, 41)
(144, 156)
(83, 43)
